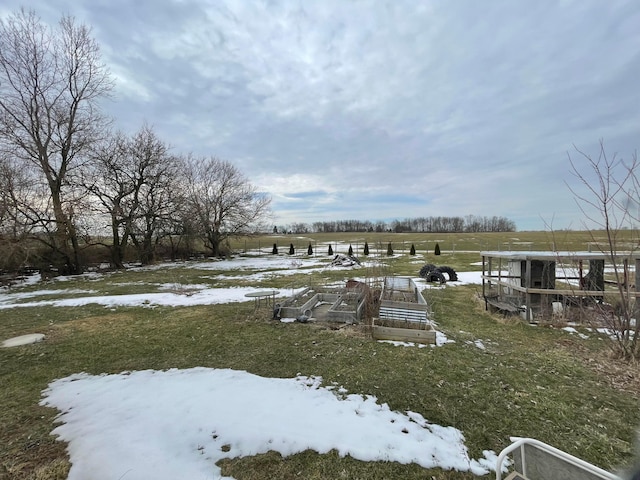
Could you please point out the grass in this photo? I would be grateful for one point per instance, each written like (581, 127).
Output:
(425, 242)
(528, 381)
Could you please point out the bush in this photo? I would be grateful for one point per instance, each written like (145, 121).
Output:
(330, 251)
(310, 250)
(413, 250)
(350, 251)
(366, 248)
(437, 250)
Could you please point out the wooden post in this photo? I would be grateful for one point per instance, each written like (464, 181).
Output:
(580, 273)
(625, 275)
(484, 293)
(528, 286)
(500, 288)
(637, 286)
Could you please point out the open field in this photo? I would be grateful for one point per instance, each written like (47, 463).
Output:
(425, 242)
(496, 378)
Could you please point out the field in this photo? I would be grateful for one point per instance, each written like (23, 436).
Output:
(496, 378)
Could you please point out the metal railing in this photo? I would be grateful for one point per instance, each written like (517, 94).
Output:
(519, 443)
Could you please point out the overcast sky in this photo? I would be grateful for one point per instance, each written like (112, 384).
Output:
(379, 110)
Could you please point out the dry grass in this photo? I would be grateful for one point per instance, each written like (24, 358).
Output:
(527, 381)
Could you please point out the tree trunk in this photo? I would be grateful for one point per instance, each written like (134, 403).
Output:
(214, 240)
(66, 242)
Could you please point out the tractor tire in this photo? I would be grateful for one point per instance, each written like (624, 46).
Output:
(424, 271)
(436, 276)
(450, 273)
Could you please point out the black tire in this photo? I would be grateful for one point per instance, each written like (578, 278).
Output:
(450, 273)
(424, 271)
(436, 276)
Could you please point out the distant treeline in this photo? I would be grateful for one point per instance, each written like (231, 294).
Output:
(469, 223)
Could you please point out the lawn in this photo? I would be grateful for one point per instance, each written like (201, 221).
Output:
(496, 378)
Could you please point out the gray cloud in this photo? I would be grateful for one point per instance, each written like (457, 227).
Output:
(373, 110)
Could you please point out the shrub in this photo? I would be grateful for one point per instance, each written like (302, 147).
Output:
(310, 250)
(330, 251)
(350, 251)
(413, 250)
(366, 248)
(437, 249)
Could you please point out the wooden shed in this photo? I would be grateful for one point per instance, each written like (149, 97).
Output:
(536, 283)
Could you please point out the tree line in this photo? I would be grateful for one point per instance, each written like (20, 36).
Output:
(69, 182)
(433, 224)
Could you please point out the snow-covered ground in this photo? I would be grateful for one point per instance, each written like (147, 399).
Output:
(179, 423)
(251, 268)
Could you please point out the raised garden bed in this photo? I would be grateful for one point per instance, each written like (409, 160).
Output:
(346, 307)
(402, 302)
(403, 314)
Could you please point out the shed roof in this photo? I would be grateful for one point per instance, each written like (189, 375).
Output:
(558, 256)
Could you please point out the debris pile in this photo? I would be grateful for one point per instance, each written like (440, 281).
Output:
(345, 261)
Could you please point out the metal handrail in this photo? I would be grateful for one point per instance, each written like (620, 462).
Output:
(521, 442)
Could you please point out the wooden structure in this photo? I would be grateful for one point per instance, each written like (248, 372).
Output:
(426, 335)
(345, 306)
(403, 314)
(538, 283)
(400, 300)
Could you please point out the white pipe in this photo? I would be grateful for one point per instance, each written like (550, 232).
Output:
(521, 442)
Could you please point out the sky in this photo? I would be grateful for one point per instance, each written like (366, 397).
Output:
(380, 110)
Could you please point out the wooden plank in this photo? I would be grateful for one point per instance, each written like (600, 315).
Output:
(503, 305)
(404, 334)
(558, 291)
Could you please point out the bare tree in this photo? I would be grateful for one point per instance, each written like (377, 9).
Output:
(134, 182)
(608, 196)
(50, 83)
(111, 180)
(223, 201)
(15, 226)
(155, 198)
